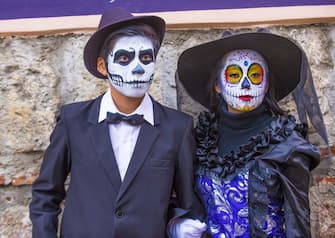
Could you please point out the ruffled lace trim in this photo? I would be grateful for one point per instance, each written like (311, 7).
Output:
(207, 136)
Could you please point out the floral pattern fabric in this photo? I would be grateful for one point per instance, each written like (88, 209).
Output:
(226, 203)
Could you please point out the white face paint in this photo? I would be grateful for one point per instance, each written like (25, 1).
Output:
(131, 65)
(243, 79)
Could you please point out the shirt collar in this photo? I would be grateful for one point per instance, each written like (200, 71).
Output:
(145, 108)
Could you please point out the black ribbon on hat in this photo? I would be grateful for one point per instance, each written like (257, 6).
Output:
(115, 118)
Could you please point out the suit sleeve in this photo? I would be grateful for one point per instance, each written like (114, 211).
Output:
(295, 181)
(187, 203)
(48, 190)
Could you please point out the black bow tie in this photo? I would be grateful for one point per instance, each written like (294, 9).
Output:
(115, 118)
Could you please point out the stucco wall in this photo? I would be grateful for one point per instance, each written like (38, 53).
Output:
(39, 74)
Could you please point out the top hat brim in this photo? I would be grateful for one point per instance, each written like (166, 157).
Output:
(195, 65)
(94, 44)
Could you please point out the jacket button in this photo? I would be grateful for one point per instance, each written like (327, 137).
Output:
(119, 214)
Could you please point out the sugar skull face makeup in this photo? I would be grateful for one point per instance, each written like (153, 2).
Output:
(131, 65)
(243, 79)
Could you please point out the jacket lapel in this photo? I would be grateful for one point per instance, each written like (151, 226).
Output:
(99, 135)
(145, 141)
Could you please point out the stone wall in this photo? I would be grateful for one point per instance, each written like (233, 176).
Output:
(39, 74)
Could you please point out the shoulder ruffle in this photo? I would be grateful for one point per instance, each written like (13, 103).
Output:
(207, 136)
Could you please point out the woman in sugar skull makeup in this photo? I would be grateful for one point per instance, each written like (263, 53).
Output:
(253, 158)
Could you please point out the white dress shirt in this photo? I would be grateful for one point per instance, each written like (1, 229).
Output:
(122, 135)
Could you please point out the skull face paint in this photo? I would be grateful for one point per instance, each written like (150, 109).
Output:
(131, 65)
(243, 79)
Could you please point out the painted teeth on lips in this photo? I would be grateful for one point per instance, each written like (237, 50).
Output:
(137, 82)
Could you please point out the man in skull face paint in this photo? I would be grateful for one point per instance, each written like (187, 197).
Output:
(130, 158)
(253, 159)
(131, 66)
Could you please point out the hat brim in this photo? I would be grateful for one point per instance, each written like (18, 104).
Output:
(195, 64)
(94, 44)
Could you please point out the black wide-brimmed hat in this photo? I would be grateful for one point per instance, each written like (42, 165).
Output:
(195, 65)
(112, 20)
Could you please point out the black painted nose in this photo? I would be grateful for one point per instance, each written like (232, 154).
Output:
(138, 70)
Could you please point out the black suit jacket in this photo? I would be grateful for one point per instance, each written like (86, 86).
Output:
(97, 203)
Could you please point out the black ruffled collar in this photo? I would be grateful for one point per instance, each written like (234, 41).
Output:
(207, 135)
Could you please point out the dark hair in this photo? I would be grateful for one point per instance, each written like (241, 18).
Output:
(131, 30)
(216, 100)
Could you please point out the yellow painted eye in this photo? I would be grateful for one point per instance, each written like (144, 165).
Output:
(256, 74)
(233, 74)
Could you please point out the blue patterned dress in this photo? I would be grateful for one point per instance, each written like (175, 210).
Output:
(226, 203)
